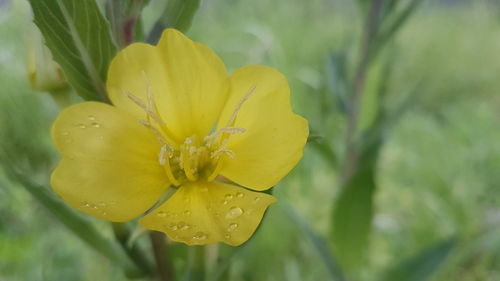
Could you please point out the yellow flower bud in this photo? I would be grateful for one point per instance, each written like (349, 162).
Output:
(44, 74)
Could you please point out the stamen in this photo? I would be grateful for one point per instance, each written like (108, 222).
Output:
(239, 104)
(228, 130)
(136, 100)
(147, 108)
(166, 162)
(216, 171)
(222, 149)
(155, 130)
(150, 108)
(186, 160)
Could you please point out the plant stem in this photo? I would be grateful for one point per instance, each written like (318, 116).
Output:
(122, 235)
(369, 35)
(163, 265)
(196, 264)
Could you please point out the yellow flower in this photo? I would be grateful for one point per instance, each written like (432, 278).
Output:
(179, 121)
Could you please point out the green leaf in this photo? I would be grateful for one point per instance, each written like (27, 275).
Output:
(336, 72)
(319, 244)
(424, 264)
(178, 14)
(353, 211)
(78, 36)
(395, 23)
(79, 225)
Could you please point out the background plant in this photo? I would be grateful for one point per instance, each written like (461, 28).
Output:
(399, 181)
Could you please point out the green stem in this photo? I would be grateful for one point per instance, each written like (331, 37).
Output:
(163, 265)
(196, 264)
(62, 97)
(371, 29)
(122, 235)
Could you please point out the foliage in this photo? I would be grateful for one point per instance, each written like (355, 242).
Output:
(411, 194)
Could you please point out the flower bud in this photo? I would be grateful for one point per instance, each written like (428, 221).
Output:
(44, 73)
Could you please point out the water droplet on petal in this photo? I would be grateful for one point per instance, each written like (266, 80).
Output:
(228, 197)
(82, 126)
(173, 226)
(182, 225)
(200, 236)
(232, 227)
(65, 133)
(185, 227)
(91, 117)
(85, 204)
(161, 214)
(240, 195)
(234, 212)
(256, 199)
(224, 202)
(187, 212)
(96, 125)
(104, 213)
(227, 236)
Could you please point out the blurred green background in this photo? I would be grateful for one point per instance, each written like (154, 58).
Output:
(437, 174)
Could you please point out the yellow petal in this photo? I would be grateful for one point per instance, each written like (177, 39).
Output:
(189, 82)
(204, 213)
(110, 163)
(275, 136)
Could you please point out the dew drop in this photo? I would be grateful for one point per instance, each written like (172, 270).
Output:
(104, 213)
(224, 202)
(91, 117)
(93, 206)
(256, 199)
(227, 236)
(96, 125)
(228, 197)
(240, 195)
(161, 214)
(65, 133)
(187, 212)
(82, 126)
(234, 212)
(86, 204)
(173, 226)
(182, 225)
(200, 236)
(232, 227)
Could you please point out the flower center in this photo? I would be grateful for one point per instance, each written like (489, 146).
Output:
(195, 159)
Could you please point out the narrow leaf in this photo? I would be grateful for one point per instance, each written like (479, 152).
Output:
(353, 211)
(178, 14)
(424, 264)
(78, 37)
(319, 244)
(80, 226)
